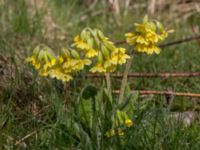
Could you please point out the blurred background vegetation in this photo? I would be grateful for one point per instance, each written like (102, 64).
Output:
(30, 103)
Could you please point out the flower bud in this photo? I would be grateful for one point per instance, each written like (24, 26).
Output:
(75, 54)
(100, 58)
(104, 51)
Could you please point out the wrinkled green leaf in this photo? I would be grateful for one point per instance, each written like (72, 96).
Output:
(129, 103)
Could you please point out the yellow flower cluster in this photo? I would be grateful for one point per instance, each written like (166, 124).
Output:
(60, 67)
(92, 48)
(112, 133)
(103, 53)
(42, 60)
(121, 119)
(146, 36)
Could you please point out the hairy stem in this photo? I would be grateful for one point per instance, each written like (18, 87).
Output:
(108, 82)
(124, 80)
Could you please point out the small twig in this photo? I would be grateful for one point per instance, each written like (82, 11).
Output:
(151, 75)
(146, 92)
(170, 43)
(180, 41)
(25, 137)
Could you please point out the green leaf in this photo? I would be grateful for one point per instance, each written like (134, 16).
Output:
(129, 102)
(100, 58)
(109, 45)
(86, 111)
(90, 41)
(41, 55)
(104, 50)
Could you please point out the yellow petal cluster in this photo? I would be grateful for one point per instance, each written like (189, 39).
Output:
(42, 60)
(86, 45)
(90, 48)
(121, 119)
(112, 133)
(61, 67)
(105, 56)
(33, 59)
(146, 36)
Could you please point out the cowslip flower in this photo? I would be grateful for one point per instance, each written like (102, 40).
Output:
(58, 71)
(61, 67)
(60, 74)
(98, 68)
(33, 59)
(92, 49)
(74, 62)
(68, 63)
(118, 56)
(104, 55)
(85, 43)
(121, 119)
(113, 132)
(146, 36)
(42, 60)
(128, 122)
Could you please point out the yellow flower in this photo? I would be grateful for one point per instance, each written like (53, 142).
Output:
(80, 64)
(32, 60)
(120, 132)
(112, 133)
(147, 36)
(107, 62)
(109, 66)
(98, 68)
(59, 74)
(121, 119)
(90, 53)
(43, 73)
(118, 56)
(60, 59)
(95, 48)
(86, 46)
(75, 64)
(128, 122)
(130, 38)
(79, 43)
(49, 64)
(99, 49)
(149, 49)
(42, 60)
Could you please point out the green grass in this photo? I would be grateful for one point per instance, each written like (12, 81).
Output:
(53, 111)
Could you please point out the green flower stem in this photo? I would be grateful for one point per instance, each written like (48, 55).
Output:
(124, 80)
(108, 83)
